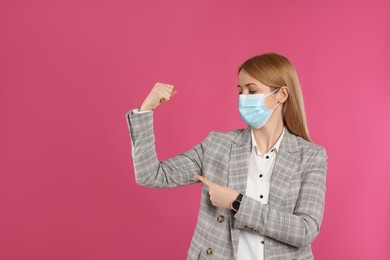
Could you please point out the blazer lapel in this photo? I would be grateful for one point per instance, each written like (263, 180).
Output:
(239, 161)
(286, 164)
(238, 172)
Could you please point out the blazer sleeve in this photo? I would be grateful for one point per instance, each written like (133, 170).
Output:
(149, 171)
(299, 228)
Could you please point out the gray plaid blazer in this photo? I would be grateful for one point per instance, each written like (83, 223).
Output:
(289, 222)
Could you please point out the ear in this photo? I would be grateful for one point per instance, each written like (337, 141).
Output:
(282, 94)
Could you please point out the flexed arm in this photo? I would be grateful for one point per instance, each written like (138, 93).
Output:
(149, 171)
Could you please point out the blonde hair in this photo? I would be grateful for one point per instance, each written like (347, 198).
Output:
(275, 71)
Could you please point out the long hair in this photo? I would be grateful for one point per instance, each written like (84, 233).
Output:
(275, 71)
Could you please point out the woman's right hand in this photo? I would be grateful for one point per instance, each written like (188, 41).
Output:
(160, 93)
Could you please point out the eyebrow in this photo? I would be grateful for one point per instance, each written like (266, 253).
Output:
(247, 85)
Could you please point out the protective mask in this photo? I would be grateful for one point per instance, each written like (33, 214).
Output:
(253, 110)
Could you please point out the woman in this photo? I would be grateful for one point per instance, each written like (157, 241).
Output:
(263, 187)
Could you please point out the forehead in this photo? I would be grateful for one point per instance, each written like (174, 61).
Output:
(244, 76)
(244, 79)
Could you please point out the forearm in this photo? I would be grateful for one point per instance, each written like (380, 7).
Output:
(295, 229)
(294, 224)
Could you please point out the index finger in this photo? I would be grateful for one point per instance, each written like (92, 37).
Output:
(204, 180)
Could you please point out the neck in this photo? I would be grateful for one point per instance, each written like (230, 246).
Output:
(268, 135)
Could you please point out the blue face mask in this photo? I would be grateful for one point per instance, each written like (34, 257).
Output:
(253, 110)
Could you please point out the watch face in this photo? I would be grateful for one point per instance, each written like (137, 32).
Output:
(236, 205)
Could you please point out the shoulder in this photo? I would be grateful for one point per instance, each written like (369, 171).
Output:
(227, 136)
(219, 143)
(308, 148)
(304, 144)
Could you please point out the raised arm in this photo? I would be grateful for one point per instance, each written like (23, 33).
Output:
(149, 171)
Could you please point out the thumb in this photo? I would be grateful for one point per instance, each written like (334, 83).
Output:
(204, 180)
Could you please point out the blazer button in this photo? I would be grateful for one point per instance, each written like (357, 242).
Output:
(221, 218)
(209, 251)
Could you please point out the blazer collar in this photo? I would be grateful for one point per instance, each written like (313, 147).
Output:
(289, 141)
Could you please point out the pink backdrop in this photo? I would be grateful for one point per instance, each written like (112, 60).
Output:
(70, 70)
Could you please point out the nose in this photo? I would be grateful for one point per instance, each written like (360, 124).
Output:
(245, 92)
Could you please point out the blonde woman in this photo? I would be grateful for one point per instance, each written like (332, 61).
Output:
(263, 187)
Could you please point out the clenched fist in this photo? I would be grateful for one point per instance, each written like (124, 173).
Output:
(160, 93)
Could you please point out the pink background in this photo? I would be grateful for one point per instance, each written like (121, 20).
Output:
(70, 70)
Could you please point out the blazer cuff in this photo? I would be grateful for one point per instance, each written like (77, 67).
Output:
(137, 111)
(139, 124)
(244, 218)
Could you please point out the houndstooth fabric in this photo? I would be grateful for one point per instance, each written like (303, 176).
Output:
(291, 219)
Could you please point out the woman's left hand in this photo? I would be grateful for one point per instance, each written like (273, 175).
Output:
(220, 196)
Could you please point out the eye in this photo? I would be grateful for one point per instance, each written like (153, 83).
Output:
(239, 93)
(252, 91)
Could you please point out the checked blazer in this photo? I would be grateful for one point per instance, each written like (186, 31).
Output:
(289, 222)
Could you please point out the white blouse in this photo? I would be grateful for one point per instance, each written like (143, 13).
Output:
(251, 245)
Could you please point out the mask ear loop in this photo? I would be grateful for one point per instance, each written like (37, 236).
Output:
(270, 94)
(276, 105)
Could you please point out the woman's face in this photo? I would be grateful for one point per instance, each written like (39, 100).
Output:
(248, 85)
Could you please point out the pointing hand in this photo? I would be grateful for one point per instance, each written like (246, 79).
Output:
(220, 196)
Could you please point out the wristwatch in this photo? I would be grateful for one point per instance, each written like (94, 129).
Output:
(236, 203)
